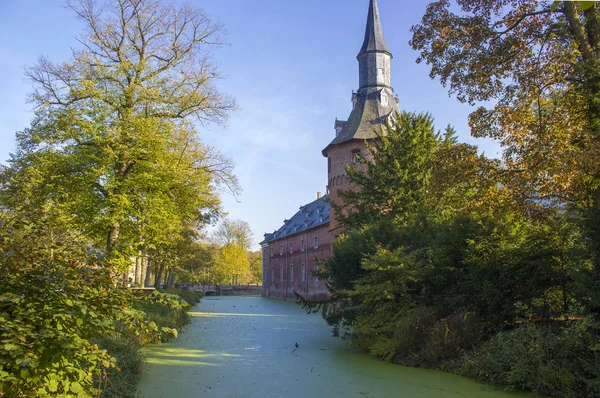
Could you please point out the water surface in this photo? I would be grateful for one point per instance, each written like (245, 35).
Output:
(246, 347)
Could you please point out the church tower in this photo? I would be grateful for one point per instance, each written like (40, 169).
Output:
(372, 105)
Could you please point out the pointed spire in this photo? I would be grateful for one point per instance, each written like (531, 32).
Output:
(374, 33)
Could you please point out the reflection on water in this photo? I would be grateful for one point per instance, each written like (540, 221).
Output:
(257, 347)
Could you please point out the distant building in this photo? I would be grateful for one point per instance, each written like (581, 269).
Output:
(292, 252)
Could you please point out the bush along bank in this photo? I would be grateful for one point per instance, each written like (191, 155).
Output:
(164, 314)
(65, 328)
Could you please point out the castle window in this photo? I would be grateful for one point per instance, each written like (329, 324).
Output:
(281, 250)
(357, 158)
(316, 270)
(272, 273)
(291, 247)
(292, 272)
(316, 242)
(271, 251)
(303, 272)
(302, 245)
(281, 273)
(384, 99)
(379, 73)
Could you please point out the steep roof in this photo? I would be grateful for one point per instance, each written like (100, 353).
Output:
(366, 119)
(308, 217)
(374, 33)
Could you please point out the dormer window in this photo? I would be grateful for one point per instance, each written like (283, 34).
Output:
(384, 99)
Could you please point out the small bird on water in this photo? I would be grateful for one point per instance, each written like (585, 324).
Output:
(296, 345)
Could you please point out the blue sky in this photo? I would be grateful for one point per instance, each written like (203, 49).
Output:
(290, 65)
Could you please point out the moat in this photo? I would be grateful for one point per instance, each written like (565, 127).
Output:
(246, 347)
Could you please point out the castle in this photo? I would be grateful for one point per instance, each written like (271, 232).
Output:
(293, 251)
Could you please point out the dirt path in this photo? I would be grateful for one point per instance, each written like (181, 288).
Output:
(246, 347)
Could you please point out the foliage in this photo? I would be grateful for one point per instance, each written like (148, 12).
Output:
(62, 316)
(164, 313)
(112, 144)
(557, 361)
(536, 64)
(121, 381)
(445, 256)
(396, 181)
(53, 301)
(234, 231)
(190, 297)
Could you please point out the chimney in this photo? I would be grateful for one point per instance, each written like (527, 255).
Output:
(318, 195)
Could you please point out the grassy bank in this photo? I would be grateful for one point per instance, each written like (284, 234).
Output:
(166, 313)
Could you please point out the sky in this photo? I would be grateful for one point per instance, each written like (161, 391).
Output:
(291, 67)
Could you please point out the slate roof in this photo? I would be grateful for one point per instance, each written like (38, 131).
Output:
(366, 119)
(308, 217)
(374, 33)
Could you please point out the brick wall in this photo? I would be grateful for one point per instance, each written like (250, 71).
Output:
(282, 271)
(338, 157)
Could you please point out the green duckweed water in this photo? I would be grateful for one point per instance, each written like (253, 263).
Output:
(246, 347)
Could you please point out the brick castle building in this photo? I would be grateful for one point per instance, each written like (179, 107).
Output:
(293, 251)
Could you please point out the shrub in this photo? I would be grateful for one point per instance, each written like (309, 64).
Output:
(121, 381)
(450, 337)
(550, 360)
(164, 313)
(423, 339)
(53, 301)
(410, 334)
(191, 297)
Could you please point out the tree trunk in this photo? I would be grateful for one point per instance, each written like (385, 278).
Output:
(166, 278)
(171, 279)
(159, 272)
(113, 237)
(143, 263)
(148, 274)
(138, 271)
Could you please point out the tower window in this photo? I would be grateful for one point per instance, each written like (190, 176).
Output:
(384, 99)
(302, 245)
(379, 73)
(357, 158)
(316, 242)
(281, 250)
(291, 247)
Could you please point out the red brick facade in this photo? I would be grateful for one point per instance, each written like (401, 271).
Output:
(288, 264)
(338, 157)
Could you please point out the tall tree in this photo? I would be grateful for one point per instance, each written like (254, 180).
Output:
(398, 173)
(113, 141)
(234, 231)
(533, 68)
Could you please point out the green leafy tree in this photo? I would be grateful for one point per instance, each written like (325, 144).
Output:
(113, 142)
